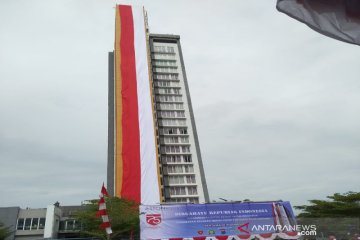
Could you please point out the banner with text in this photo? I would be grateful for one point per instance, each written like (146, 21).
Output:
(264, 220)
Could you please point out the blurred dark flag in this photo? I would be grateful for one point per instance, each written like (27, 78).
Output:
(339, 19)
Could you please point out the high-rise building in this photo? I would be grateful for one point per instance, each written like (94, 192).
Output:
(179, 165)
(182, 171)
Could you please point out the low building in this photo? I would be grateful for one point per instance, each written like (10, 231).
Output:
(52, 222)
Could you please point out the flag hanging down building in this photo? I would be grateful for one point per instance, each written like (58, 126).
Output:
(102, 212)
(338, 19)
(153, 147)
(135, 161)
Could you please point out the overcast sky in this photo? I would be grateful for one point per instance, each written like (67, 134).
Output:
(277, 106)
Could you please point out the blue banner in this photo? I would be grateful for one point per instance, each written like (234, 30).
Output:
(243, 220)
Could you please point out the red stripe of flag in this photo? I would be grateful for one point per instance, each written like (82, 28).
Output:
(102, 200)
(101, 212)
(104, 191)
(105, 225)
(130, 120)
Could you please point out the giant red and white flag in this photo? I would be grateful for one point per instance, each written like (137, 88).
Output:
(136, 164)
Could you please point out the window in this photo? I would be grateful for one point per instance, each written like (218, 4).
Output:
(165, 63)
(187, 158)
(42, 223)
(179, 106)
(159, 90)
(35, 223)
(190, 179)
(164, 55)
(173, 77)
(168, 122)
(162, 62)
(161, 69)
(163, 76)
(171, 149)
(194, 200)
(185, 149)
(189, 169)
(176, 200)
(192, 190)
(77, 225)
(183, 131)
(177, 191)
(165, 106)
(171, 159)
(170, 49)
(159, 49)
(27, 224)
(162, 150)
(166, 114)
(168, 130)
(175, 169)
(172, 131)
(182, 122)
(163, 84)
(171, 140)
(178, 98)
(180, 114)
(176, 179)
(175, 84)
(184, 139)
(20, 224)
(62, 225)
(69, 225)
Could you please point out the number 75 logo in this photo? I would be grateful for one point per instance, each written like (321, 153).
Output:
(153, 219)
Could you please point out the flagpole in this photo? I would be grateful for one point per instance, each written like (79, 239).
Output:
(110, 202)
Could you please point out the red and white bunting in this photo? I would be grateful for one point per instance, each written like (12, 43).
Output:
(102, 211)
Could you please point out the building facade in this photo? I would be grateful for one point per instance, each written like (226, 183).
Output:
(179, 159)
(182, 172)
(53, 222)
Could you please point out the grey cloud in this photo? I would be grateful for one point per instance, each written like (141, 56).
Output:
(276, 104)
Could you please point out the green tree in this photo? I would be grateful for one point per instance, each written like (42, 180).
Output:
(339, 205)
(123, 215)
(337, 216)
(4, 231)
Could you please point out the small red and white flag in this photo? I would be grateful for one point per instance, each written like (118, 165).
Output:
(102, 211)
